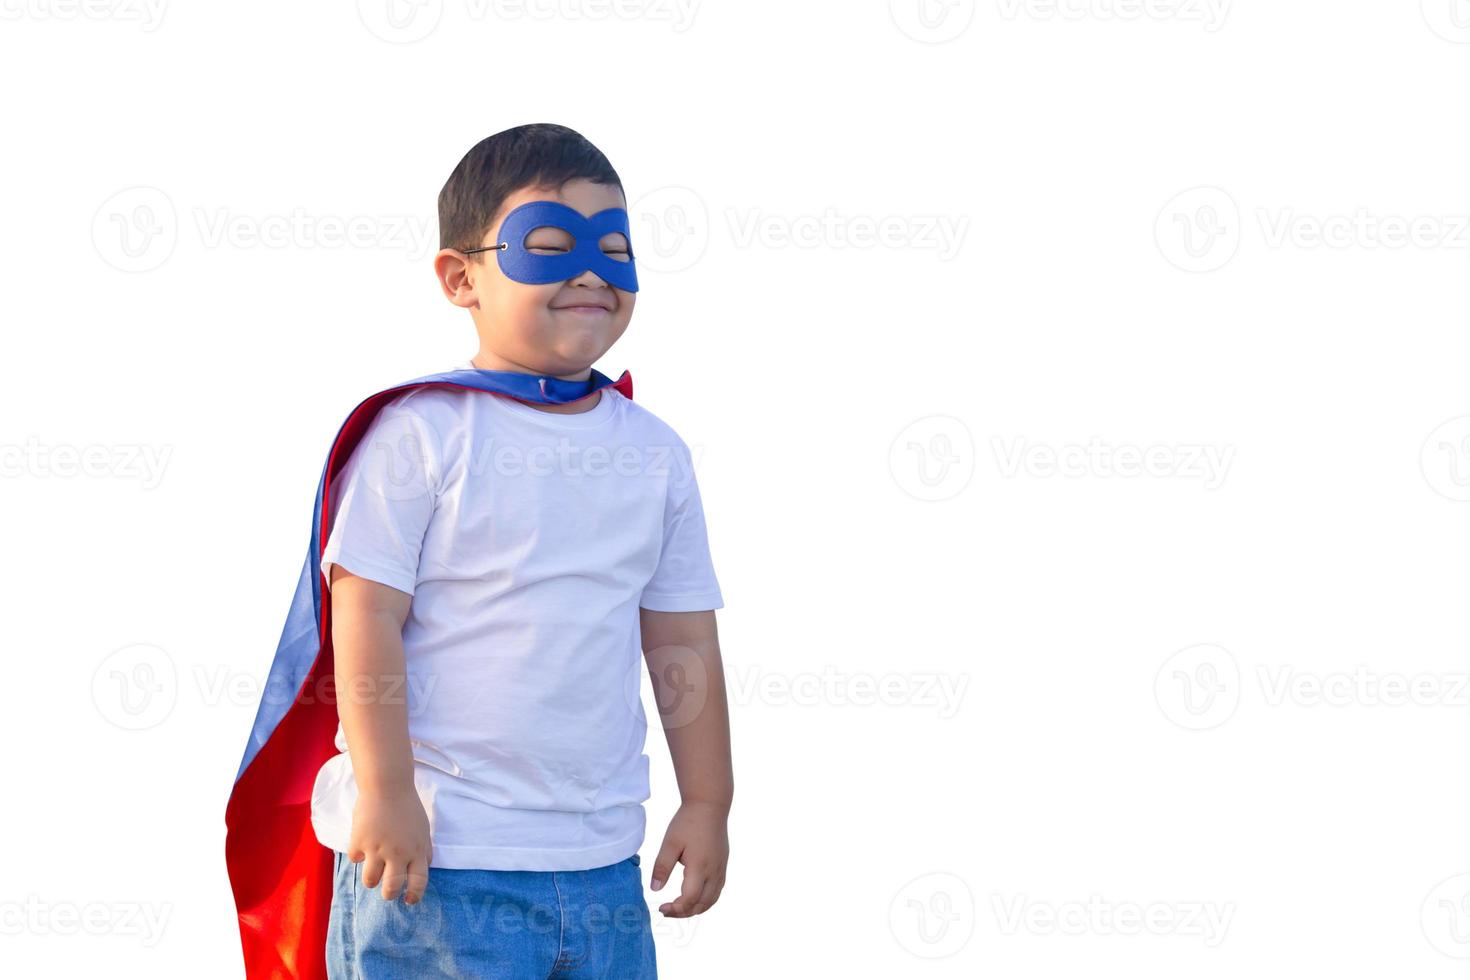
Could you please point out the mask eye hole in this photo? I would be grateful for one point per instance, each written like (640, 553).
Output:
(549, 240)
(615, 247)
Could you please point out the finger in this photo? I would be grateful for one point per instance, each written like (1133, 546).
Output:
(707, 895)
(689, 890)
(418, 881)
(372, 871)
(663, 866)
(356, 855)
(710, 895)
(393, 878)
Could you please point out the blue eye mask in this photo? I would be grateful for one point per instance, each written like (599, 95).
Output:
(524, 266)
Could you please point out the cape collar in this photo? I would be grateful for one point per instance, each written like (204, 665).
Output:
(544, 389)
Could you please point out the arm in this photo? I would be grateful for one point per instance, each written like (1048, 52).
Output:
(390, 831)
(685, 647)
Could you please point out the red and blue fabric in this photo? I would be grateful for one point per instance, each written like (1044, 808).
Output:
(280, 874)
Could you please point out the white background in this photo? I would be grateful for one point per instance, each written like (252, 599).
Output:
(921, 287)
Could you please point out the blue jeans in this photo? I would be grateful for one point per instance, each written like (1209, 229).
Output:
(516, 925)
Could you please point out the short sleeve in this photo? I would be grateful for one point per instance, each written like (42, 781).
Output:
(684, 580)
(382, 501)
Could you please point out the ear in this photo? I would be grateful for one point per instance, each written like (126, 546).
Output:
(452, 268)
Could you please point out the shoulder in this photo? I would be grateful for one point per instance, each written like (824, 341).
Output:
(665, 452)
(437, 405)
(421, 421)
(646, 424)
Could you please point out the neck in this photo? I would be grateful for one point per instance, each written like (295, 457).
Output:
(487, 361)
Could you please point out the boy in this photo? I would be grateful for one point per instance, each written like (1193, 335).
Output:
(496, 559)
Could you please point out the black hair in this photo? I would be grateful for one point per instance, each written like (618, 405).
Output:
(534, 155)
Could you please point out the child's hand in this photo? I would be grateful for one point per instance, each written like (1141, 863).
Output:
(390, 838)
(697, 839)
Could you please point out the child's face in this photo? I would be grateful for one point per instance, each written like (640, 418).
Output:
(559, 328)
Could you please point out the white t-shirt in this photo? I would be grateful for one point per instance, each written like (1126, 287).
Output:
(528, 541)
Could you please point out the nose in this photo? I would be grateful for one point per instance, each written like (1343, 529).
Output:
(587, 278)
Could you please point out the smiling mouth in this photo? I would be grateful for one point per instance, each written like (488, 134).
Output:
(582, 309)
